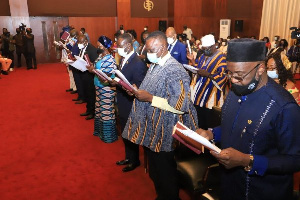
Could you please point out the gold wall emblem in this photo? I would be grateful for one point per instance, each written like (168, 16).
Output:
(148, 5)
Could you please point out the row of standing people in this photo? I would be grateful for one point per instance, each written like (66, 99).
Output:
(163, 98)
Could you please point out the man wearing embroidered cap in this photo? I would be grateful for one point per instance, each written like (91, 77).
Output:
(211, 67)
(259, 134)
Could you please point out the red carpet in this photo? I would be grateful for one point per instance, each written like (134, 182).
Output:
(47, 151)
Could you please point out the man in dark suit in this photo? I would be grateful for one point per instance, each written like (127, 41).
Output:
(134, 69)
(86, 77)
(176, 48)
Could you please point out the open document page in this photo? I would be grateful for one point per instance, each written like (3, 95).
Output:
(124, 79)
(192, 139)
(80, 64)
(190, 68)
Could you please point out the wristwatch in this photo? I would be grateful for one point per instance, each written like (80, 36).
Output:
(249, 167)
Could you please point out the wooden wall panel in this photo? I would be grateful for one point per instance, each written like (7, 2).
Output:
(95, 26)
(197, 14)
(125, 19)
(4, 8)
(46, 53)
(97, 8)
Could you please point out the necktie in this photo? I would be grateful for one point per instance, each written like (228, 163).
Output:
(170, 47)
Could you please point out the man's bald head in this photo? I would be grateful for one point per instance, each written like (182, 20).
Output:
(170, 32)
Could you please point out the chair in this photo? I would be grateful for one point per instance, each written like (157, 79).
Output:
(199, 174)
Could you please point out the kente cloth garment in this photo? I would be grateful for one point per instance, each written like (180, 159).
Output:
(203, 91)
(106, 64)
(265, 124)
(105, 120)
(152, 127)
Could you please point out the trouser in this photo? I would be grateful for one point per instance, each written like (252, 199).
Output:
(72, 82)
(89, 91)
(204, 117)
(12, 57)
(131, 152)
(30, 56)
(163, 172)
(78, 83)
(19, 52)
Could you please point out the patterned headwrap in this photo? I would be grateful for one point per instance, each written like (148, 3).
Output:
(105, 41)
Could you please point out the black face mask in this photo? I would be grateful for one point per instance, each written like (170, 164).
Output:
(100, 51)
(242, 90)
(207, 52)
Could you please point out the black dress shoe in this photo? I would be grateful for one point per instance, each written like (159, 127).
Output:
(85, 114)
(123, 162)
(130, 167)
(80, 102)
(4, 72)
(89, 117)
(69, 90)
(76, 99)
(74, 92)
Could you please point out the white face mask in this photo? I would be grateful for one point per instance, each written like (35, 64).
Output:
(224, 43)
(121, 52)
(170, 40)
(145, 29)
(80, 46)
(272, 74)
(152, 57)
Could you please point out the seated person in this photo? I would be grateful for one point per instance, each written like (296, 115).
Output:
(5, 64)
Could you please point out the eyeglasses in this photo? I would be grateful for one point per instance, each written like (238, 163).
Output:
(230, 75)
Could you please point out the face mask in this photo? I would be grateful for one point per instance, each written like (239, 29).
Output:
(207, 52)
(80, 46)
(224, 43)
(228, 39)
(170, 40)
(116, 39)
(242, 90)
(100, 51)
(272, 74)
(152, 57)
(275, 38)
(121, 52)
(145, 29)
(74, 39)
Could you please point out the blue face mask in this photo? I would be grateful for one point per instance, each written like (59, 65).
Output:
(272, 74)
(152, 57)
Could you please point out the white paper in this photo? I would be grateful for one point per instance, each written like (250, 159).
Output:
(104, 75)
(189, 46)
(80, 64)
(216, 84)
(191, 68)
(123, 78)
(191, 134)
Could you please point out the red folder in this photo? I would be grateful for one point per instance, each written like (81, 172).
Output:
(188, 142)
(65, 36)
(123, 84)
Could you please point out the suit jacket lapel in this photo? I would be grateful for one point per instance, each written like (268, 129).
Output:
(128, 61)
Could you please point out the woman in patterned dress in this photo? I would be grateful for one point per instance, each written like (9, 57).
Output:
(105, 121)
